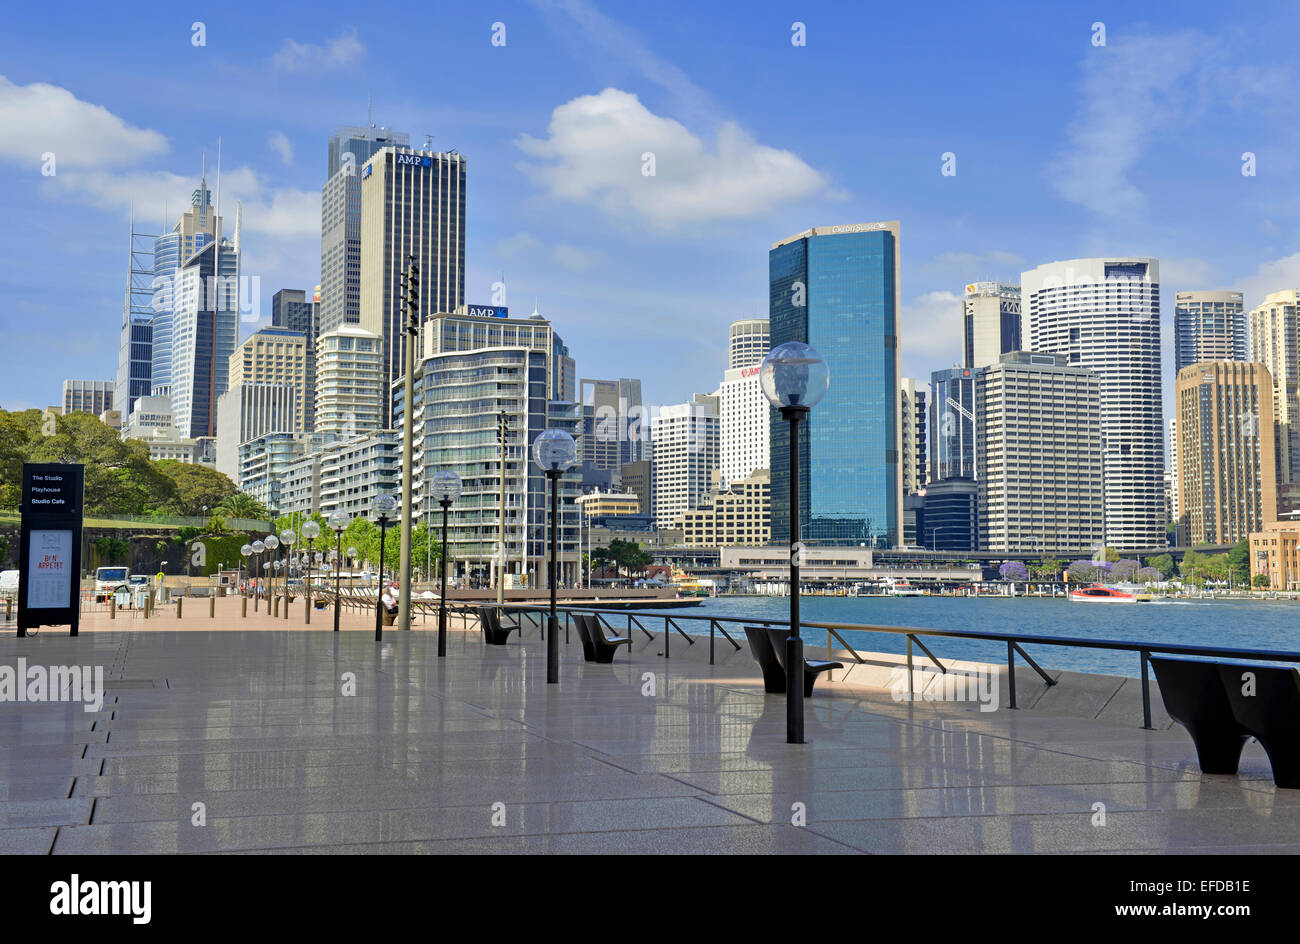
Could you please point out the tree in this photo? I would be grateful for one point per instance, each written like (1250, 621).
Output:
(1013, 570)
(1237, 562)
(1110, 555)
(119, 476)
(1123, 570)
(1148, 575)
(1163, 563)
(1047, 567)
(1260, 582)
(194, 487)
(243, 505)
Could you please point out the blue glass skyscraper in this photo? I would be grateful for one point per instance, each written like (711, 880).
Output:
(836, 288)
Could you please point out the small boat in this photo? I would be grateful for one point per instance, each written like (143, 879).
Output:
(1099, 593)
(901, 588)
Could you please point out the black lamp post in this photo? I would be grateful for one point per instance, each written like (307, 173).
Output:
(311, 531)
(794, 377)
(246, 551)
(271, 542)
(446, 486)
(287, 537)
(384, 504)
(555, 452)
(339, 521)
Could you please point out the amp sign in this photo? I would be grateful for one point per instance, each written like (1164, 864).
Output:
(413, 160)
(487, 311)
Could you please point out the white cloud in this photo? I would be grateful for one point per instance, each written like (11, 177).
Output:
(596, 152)
(40, 118)
(931, 333)
(1187, 275)
(343, 50)
(964, 267)
(579, 260)
(1132, 90)
(279, 142)
(519, 244)
(1278, 275)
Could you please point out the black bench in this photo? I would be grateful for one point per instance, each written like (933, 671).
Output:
(1194, 696)
(494, 634)
(596, 646)
(767, 645)
(1271, 713)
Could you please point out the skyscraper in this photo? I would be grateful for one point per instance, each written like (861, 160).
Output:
(684, 456)
(836, 288)
(412, 204)
(340, 227)
(1104, 314)
(349, 383)
(87, 396)
(135, 346)
(750, 340)
(1209, 326)
(273, 356)
(197, 227)
(1039, 455)
(1226, 473)
(912, 421)
(291, 310)
(1275, 343)
(611, 429)
(952, 423)
(990, 322)
(204, 329)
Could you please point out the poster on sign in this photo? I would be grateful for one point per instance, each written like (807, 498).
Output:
(49, 564)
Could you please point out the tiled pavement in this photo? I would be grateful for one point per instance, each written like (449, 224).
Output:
(475, 753)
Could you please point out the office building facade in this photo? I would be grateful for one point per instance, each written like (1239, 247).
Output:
(749, 340)
(292, 310)
(683, 458)
(737, 516)
(196, 228)
(412, 205)
(1226, 473)
(1275, 343)
(340, 229)
(611, 422)
(836, 288)
(273, 356)
(913, 419)
(953, 429)
(952, 521)
(1209, 326)
(1104, 315)
(248, 411)
(991, 322)
(744, 424)
(1039, 456)
(204, 329)
(88, 396)
(134, 377)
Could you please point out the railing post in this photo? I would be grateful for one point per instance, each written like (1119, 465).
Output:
(712, 623)
(1146, 693)
(911, 694)
(1011, 673)
(668, 635)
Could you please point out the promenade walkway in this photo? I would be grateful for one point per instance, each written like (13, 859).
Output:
(215, 736)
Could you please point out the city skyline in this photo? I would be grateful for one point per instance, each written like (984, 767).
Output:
(673, 262)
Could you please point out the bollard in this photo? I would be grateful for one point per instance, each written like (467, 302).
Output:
(275, 607)
(148, 605)
(244, 607)
(212, 606)
(178, 606)
(112, 606)
(9, 608)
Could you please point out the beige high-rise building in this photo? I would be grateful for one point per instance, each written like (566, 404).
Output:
(273, 356)
(1039, 455)
(737, 516)
(1275, 343)
(412, 205)
(350, 390)
(912, 420)
(1226, 480)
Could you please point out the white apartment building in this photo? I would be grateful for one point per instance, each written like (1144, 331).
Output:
(349, 382)
(1104, 315)
(684, 454)
(1275, 343)
(744, 424)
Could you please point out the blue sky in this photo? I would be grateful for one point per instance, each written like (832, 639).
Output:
(1063, 149)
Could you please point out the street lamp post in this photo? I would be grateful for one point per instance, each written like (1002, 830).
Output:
(287, 538)
(246, 551)
(794, 377)
(339, 521)
(384, 504)
(311, 531)
(446, 487)
(271, 542)
(555, 452)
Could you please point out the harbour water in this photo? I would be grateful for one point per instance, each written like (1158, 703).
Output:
(1233, 623)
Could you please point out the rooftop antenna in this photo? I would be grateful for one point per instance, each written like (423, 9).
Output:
(370, 122)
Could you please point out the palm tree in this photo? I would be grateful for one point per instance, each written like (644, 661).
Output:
(243, 505)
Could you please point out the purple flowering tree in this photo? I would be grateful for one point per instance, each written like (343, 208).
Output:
(1013, 570)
